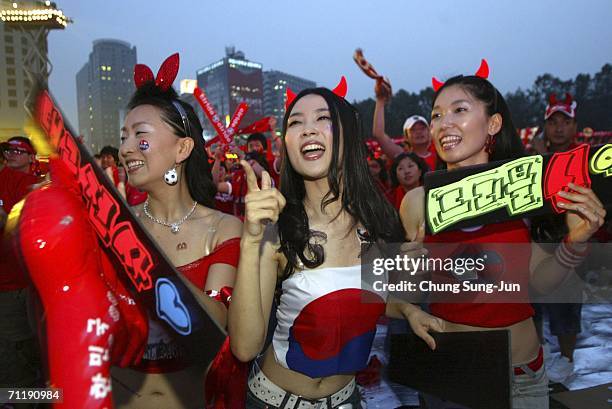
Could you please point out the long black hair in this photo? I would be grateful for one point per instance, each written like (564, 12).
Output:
(349, 181)
(197, 168)
(507, 143)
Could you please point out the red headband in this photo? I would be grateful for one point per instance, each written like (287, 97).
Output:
(340, 90)
(483, 72)
(165, 76)
(567, 106)
(17, 144)
(552, 99)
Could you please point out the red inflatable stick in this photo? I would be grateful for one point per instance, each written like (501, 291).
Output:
(236, 119)
(225, 136)
(212, 116)
(90, 321)
(261, 125)
(566, 167)
(143, 268)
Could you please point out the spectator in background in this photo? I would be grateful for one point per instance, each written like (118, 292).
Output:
(19, 154)
(19, 353)
(109, 157)
(224, 201)
(378, 171)
(258, 142)
(109, 161)
(407, 172)
(560, 126)
(237, 185)
(98, 159)
(417, 137)
(564, 318)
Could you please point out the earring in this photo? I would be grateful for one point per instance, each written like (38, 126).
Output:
(490, 145)
(171, 176)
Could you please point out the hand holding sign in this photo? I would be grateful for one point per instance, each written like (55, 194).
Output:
(422, 323)
(585, 214)
(262, 205)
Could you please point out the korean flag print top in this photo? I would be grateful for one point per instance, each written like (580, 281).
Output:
(326, 322)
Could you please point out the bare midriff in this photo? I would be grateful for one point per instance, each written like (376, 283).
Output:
(299, 384)
(181, 389)
(523, 337)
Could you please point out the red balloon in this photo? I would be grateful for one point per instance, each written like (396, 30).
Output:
(90, 321)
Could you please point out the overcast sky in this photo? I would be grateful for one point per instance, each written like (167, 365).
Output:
(408, 41)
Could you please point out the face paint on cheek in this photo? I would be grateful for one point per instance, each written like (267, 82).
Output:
(143, 145)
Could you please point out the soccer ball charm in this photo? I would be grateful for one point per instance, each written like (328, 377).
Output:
(171, 176)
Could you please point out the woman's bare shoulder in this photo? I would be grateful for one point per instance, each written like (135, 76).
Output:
(412, 211)
(225, 226)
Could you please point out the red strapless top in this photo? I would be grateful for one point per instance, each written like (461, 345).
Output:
(226, 253)
(514, 258)
(171, 358)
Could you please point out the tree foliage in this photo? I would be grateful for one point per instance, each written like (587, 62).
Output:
(593, 94)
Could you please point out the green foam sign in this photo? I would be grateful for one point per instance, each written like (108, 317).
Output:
(601, 162)
(516, 185)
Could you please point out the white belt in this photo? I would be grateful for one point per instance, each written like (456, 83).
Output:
(267, 391)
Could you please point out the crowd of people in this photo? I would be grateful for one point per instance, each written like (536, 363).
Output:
(269, 237)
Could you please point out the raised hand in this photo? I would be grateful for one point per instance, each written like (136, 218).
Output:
(219, 152)
(585, 214)
(262, 206)
(382, 90)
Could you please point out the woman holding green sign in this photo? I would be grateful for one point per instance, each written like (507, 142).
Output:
(471, 125)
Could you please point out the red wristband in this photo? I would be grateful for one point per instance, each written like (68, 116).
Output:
(224, 295)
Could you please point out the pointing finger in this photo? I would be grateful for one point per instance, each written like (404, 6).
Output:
(250, 176)
(266, 181)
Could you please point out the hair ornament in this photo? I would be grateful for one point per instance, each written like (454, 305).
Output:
(483, 72)
(340, 90)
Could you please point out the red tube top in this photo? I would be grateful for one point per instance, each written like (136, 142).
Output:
(162, 354)
(516, 260)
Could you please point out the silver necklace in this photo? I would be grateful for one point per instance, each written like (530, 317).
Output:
(174, 227)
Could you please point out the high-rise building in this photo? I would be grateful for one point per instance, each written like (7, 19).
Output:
(24, 27)
(104, 86)
(186, 94)
(275, 87)
(230, 81)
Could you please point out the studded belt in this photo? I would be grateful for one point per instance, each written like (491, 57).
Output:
(272, 394)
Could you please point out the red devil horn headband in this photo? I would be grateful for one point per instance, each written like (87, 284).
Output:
(552, 99)
(340, 90)
(165, 76)
(483, 72)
